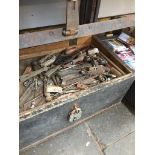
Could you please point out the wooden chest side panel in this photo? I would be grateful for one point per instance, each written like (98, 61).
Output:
(49, 122)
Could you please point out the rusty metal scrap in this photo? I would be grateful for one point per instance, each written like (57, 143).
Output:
(70, 50)
(35, 65)
(32, 74)
(63, 74)
(102, 62)
(54, 81)
(26, 94)
(93, 51)
(52, 71)
(48, 62)
(28, 82)
(27, 70)
(74, 81)
(89, 81)
(75, 114)
(66, 56)
(79, 59)
(81, 86)
(96, 70)
(47, 95)
(42, 60)
(53, 89)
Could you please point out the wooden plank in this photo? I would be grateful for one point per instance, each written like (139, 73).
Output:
(55, 35)
(84, 40)
(42, 50)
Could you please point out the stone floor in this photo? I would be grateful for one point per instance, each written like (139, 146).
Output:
(110, 133)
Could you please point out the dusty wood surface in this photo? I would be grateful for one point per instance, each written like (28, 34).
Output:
(53, 48)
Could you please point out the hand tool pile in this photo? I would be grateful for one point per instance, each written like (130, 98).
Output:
(68, 72)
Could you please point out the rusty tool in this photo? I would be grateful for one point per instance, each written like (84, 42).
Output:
(28, 82)
(53, 79)
(53, 89)
(48, 62)
(74, 80)
(70, 50)
(26, 94)
(107, 69)
(89, 81)
(68, 66)
(35, 83)
(105, 77)
(75, 114)
(27, 70)
(52, 71)
(35, 65)
(112, 76)
(102, 62)
(92, 71)
(32, 74)
(79, 59)
(81, 86)
(101, 78)
(87, 59)
(70, 77)
(64, 58)
(58, 79)
(47, 95)
(93, 61)
(68, 71)
(93, 51)
(42, 60)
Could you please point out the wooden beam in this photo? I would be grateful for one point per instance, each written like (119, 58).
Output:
(27, 40)
(42, 50)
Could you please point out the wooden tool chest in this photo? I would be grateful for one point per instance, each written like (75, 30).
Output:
(65, 110)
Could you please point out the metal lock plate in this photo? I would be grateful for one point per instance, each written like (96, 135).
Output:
(75, 114)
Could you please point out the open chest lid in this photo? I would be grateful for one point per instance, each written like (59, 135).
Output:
(72, 29)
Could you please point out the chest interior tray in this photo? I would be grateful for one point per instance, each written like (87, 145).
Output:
(54, 73)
